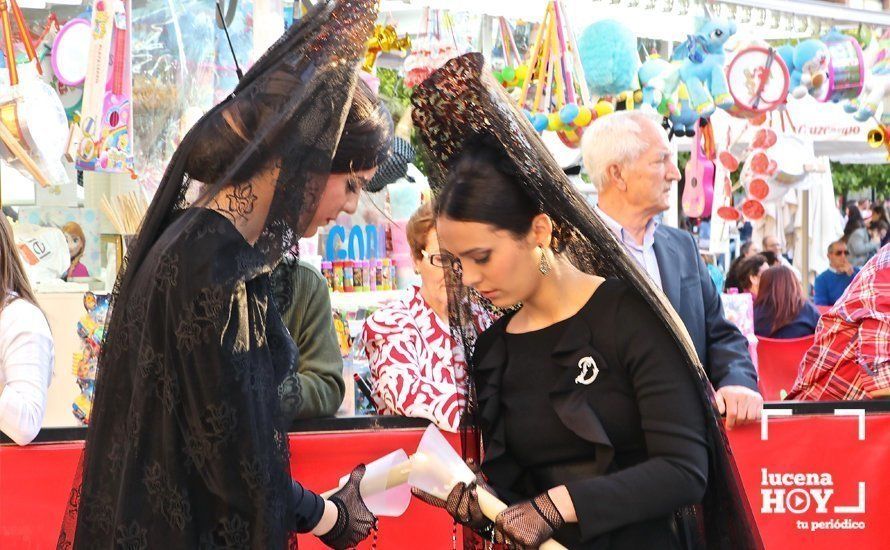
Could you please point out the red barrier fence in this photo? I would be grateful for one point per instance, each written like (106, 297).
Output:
(812, 482)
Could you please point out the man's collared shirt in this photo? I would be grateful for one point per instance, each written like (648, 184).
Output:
(645, 254)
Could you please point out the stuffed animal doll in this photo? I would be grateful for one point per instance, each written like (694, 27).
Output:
(608, 52)
(808, 65)
(683, 121)
(702, 69)
(876, 91)
(660, 81)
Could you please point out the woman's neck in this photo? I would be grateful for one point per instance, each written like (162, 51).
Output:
(247, 204)
(561, 294)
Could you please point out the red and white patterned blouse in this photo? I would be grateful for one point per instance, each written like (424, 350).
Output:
(851, 355)
(418, 370)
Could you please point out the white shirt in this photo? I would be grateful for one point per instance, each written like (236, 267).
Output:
(645, 254)
(26, 367)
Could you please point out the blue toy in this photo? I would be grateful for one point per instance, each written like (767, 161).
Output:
(702, 68)
(608, 52)
(660, 81)
(807, 65)
(683, 120)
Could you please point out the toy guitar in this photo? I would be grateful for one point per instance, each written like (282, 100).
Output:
(104, 142)
(116, 109)
(698, 194)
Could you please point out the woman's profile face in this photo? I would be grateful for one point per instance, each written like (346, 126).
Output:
(496, 263)
(340, 195)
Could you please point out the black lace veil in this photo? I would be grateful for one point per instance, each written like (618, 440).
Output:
(286, 116)
(462, 100)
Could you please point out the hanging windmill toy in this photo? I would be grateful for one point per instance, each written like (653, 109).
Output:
(513, 72)
(554, 95)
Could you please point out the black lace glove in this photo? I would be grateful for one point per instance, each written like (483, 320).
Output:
(528, 524)
(462, 502)
(354, 520)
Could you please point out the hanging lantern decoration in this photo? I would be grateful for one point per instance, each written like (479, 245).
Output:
(554, 95)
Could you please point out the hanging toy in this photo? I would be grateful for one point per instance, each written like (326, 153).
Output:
(876, 91)
(512, 73)
(384, 39)
(608, 51)
(33, 125)
(683, 120)
(702, 59)
(660, 82)
(808, 64)
(554, 95)
(758, 81)
(846, 68)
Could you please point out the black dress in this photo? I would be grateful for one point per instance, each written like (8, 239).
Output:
(603, 404)
(193, 452)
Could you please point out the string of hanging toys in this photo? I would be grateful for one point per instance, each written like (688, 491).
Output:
(553, 91)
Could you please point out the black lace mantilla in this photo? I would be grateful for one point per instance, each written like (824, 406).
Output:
(462, 100)
(187, 446)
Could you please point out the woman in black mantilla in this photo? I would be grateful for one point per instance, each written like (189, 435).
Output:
(187, 447)
(598, 424)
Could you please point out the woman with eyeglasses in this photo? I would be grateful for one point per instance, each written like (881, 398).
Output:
(417, 368)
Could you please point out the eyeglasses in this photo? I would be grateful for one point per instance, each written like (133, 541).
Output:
(443, 260)
(841, 253)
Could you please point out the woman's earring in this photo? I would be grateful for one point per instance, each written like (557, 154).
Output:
(544, 266)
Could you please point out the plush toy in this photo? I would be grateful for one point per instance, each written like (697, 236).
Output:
(660, 80)
(808, 64)
(683, 121)
(608, 52)
(702, 59)
(876, 91)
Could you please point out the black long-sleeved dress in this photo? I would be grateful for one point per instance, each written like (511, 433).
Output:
(604, 404)
(188, 448)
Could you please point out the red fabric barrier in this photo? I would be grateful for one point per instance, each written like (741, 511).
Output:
(777, 364)
(35, 481)
(821, 510)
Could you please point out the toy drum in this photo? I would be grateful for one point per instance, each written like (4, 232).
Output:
(758, 81)
(846, 68)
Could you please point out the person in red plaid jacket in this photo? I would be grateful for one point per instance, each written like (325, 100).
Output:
(850, 358)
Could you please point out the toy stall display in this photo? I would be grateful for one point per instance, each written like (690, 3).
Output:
(103, 139)
(90, 330)
(554, 94)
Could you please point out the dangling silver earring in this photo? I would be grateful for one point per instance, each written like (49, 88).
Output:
(544, 266)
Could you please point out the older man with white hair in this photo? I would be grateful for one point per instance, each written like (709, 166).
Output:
(629, 159)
